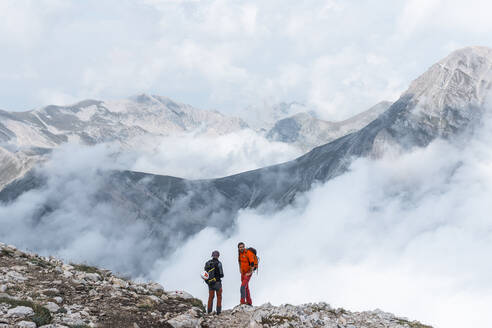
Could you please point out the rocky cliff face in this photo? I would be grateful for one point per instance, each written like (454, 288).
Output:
(45, 292)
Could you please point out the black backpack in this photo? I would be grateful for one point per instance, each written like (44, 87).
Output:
(211, 269)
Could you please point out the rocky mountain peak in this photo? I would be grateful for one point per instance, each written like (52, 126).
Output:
(460, 80)
(37, 291)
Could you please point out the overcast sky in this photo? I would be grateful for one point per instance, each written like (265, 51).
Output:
(339, 57)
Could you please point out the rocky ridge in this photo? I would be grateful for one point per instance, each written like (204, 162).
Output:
(38, 291)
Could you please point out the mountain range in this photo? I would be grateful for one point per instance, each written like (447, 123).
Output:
(449, 99)
(26, 138)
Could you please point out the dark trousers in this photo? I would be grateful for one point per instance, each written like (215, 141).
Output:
(245, 296)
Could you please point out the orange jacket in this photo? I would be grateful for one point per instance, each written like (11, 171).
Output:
(246, 260)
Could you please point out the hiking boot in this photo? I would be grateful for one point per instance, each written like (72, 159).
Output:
(219, 309)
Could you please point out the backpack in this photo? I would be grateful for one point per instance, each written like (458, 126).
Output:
(211, 269)
(256, 258)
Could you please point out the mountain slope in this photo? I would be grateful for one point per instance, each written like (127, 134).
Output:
(306, 131)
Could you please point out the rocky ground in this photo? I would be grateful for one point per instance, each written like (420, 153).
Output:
(44, 292)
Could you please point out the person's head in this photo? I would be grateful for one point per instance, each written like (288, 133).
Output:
(241, 247)
(215, 254)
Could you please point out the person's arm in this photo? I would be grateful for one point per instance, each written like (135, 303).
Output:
(251, 261)
(221, 271)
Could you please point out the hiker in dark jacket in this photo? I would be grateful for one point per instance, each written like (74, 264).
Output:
(216, 273)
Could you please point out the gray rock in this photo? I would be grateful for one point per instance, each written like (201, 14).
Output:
(155, 287)
(73, 319)
(91, 276)
(58, 299)
(186, 320)
(16, 276)
(180, 293)
(20, 311)
(52, 307)
(26, 324)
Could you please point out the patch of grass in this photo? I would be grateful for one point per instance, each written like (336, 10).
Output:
(35, 294)
(42, 315)
(41, 263)
(275, 320)
(158, 293)
(6, 252)
(79, 326)
(338, 311)
(413, 324)
(15, 288)
(85, 268)
(194, 302)
(50, 293)
(146, 304)
(144, 307)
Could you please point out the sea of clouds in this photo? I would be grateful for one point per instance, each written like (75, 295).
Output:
(408, 233)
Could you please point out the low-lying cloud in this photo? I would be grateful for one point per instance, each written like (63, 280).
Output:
(79, 224)
(204, 157)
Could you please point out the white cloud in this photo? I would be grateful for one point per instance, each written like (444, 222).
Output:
(229, 55)
(467, 17)
(210, 156)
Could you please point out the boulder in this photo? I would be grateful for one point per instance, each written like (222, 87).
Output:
(20, 312)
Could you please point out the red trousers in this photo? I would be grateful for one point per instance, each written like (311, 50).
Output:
(245, 296)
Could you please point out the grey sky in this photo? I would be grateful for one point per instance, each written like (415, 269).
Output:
(338, 56)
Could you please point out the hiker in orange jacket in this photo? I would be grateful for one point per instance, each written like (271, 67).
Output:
(246, 266)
